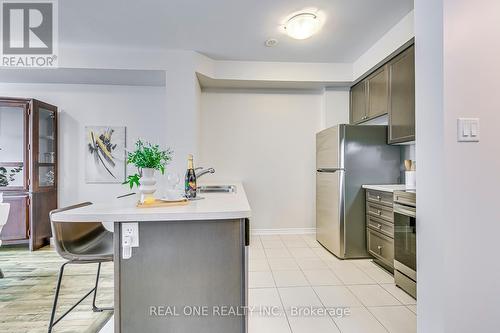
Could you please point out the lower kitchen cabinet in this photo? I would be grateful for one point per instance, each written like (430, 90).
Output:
(381, 247)
(380, 227)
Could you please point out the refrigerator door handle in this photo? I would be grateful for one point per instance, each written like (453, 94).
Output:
(330, 170)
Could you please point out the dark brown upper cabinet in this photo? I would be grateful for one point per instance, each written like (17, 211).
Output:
(390, 89)
(402, 97)
(28, 169)
(378, 92)
(369, 98)
(358, 103)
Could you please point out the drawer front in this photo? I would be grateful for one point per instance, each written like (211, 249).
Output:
(380, 211)
(380, 225)
(383, 198)
(380, 246)
(405, 198)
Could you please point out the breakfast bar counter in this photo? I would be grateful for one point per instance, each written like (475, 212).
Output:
(212, 206)
(186, 270)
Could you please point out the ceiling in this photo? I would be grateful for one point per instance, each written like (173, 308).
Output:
(230, 29)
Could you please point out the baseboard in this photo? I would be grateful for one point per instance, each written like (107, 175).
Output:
(283, 231)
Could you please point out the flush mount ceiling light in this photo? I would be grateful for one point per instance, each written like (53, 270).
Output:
(302, 25)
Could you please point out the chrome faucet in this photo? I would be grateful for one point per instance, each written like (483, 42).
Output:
(201, 172)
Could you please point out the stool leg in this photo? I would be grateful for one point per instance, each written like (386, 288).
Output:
(54, 305)
(94, 307)
(1, 274)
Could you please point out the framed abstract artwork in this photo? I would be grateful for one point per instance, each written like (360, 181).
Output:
(105, 154)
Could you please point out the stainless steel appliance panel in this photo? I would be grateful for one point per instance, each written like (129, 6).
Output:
(368, 159)
(329, 212)
(405, 237)
(405, 241)
(357, 155)
(328, 149)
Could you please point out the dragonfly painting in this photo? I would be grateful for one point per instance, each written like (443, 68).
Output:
(105, 154)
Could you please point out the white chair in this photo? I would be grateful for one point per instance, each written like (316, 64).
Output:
(4, 214)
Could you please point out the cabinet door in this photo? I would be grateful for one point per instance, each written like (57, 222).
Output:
(44, 147)
(42, 203)
(358, 103)
(13, 145)
(402, 97)
(16, 227)
(378, 92)
(380, 246)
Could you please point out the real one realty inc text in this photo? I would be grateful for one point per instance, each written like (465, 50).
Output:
(231, 311)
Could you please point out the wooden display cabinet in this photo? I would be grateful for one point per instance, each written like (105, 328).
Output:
(28, 169)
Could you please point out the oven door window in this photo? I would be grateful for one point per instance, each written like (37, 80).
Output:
(405, 240)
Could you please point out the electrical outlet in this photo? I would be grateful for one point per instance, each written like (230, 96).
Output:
(131, 230)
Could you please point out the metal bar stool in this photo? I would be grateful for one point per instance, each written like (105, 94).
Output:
(80, 243)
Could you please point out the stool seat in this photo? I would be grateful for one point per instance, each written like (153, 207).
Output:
(80, 243)
(94, 246)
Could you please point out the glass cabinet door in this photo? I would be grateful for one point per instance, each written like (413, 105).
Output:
(13, 139)
(44, 146)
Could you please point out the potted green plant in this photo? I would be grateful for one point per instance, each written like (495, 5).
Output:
(147, 158)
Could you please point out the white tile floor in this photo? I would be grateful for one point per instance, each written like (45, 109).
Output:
(294, 272)
(291, 272)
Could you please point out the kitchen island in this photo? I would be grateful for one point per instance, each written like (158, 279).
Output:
(189, 270)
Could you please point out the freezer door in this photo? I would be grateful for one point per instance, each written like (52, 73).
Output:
(329, 211)
(328, 149)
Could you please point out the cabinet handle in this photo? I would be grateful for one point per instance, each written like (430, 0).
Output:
(379, 226)
(378, 197)
(379, 212)
(379, 249)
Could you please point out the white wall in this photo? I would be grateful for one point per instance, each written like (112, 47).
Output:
(141, 109)
(336, 103)
(457, 70)
(266, 140)
(182, 115)
(397, 36)
(279, 71)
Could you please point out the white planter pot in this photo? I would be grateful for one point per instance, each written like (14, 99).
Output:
(148, 183)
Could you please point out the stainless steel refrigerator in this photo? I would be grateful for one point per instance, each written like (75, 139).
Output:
(347, 157)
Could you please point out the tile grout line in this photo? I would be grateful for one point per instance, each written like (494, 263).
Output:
(356, 297)
(330, 269)
(315, 293)
(363, 305)
(279, 295)
(366, 307)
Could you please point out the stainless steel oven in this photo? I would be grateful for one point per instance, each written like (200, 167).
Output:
(405, 241)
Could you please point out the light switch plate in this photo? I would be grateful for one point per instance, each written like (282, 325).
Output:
(468, 130)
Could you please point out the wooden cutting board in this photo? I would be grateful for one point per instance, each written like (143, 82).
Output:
(159, 203)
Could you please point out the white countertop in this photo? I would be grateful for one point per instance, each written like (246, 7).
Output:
(214, 206)
(386, 188)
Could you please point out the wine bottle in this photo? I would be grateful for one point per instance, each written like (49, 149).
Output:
(190, 181)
